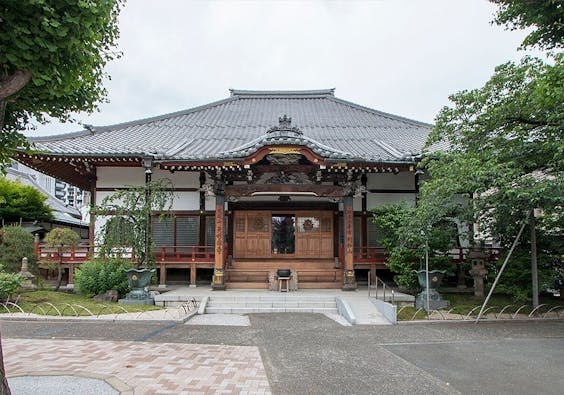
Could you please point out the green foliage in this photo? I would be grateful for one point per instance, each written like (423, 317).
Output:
(15, 244)
(506, 148)
(53, 56)
(22, 201)
(546, 16)
(516, 279)
(99, 276)
(134, 207)
(406, 232)
(62, 238)
(9, 284)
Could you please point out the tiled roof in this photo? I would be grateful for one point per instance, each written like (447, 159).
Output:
(233, 127)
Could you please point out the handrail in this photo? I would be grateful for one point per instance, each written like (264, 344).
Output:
(375, 287)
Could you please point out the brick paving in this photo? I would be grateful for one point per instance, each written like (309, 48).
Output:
(148, 368)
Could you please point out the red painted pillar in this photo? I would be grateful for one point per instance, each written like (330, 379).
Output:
(349, 283)
(218, 282)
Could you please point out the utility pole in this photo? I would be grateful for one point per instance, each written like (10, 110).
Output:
(534, 269)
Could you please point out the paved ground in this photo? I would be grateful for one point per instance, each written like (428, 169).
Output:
(312, 354)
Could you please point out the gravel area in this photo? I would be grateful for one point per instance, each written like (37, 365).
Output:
(59, 385)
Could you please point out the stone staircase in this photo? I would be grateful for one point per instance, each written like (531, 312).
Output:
(270, 304)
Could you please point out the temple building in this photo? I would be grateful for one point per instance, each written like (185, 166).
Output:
(264, 180)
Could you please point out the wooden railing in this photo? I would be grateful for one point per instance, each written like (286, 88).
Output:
(162, 253)
(379, 255)
(185, 253)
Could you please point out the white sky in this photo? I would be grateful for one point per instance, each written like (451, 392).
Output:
(400, 56)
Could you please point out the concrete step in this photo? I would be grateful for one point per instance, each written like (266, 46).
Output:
(270, 304)
(248, 310)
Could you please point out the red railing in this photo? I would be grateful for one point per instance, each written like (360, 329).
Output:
(162, 253)
(186, 253)
(379, 255)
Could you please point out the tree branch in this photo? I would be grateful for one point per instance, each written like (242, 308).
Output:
(13, 83)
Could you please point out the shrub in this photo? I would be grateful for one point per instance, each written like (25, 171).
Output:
(9, 284)
(98, 276)
(16, 243)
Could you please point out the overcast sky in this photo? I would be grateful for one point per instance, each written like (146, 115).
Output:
(399, 56)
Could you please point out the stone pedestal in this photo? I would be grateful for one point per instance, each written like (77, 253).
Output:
(218, 281)
(349, 283)
(435, 300)
(139, 281)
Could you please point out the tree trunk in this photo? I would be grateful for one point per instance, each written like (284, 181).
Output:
(10, 85)
(4, 388)
(59, 270)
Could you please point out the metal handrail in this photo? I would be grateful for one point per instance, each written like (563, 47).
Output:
(375, 287)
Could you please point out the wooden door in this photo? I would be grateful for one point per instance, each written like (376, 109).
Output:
(314, 234)
(252, 234)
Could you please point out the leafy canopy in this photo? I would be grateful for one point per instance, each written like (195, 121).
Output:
(52, 58)
(506, 148)
(19, 201)
(62, 238)
(546, 16)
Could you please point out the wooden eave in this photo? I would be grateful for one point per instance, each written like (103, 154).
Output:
(77, 170)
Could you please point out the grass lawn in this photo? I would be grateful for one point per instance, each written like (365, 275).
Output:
(69, 305)
(464, 304)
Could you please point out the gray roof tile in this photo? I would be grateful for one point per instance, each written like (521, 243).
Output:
(217, 130)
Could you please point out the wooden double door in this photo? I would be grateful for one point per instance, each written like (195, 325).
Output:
(283, 234)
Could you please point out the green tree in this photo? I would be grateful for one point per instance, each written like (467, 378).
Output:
(15, 244)
(63, 239)
(505, 156)
(407, 232)
(545, 16)
(132, 210)
(52, 58)
(22, 202)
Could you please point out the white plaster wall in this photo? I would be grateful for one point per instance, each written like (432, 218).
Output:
(379, 199)
(186, 201)
(357, 204)
(390, 181)
(180, 179)
(210, 203)
(118, 177)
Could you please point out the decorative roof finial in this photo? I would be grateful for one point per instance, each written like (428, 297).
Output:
(285, 122)
(285, 128)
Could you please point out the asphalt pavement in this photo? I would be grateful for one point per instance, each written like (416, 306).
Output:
(312, 354)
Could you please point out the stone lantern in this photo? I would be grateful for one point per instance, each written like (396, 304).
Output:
(28, 278)
(478, 271)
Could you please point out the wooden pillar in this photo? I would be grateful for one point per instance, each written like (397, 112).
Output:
(162, 275)
(373, 273)
(92, 224)
(71, 274)
(218, 282)
(192, 275)
(349, 281)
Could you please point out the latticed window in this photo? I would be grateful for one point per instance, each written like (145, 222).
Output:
(177, 231)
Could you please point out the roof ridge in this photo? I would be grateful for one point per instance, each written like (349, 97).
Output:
(381, 113)
(283, 93)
